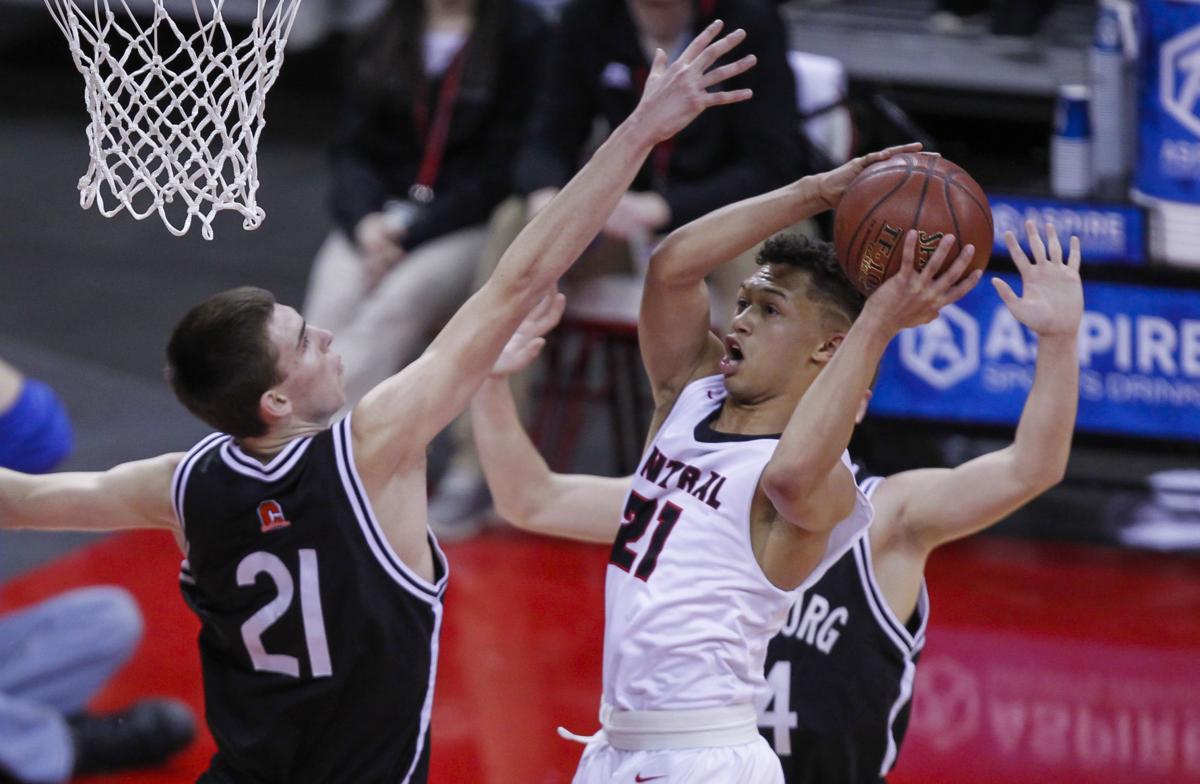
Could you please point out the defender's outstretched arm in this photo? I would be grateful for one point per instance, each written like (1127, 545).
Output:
(131, 495)
(524, 489)
(394, 422)
(932, 506)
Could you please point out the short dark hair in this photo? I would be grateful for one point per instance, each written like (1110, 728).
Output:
(828, 284)
(220, 360)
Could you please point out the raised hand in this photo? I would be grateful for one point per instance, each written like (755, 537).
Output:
(1051, 301)
(527, 342)
(675, 94)
(833, 183)
(914, 296)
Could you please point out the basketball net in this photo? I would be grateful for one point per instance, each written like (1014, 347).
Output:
(175, 115)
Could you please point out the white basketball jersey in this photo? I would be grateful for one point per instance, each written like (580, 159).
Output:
(689, 612)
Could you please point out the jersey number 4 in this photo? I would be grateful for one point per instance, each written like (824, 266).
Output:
(639, 513)
(273, 566)
(775, 712)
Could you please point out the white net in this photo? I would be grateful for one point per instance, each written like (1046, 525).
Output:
(176, 105)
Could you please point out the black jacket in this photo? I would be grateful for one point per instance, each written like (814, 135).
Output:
(377, 151)
(596, 68)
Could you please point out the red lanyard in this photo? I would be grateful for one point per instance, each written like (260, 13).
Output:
(435, 134)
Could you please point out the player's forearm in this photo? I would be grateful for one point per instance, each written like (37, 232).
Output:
(559, 233)
(820, 428)
(48, 501)
(692, 251)
(1043, 441)
(516, 473)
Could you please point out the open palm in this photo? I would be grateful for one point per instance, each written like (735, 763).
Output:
(527, 342)
(1051, 301)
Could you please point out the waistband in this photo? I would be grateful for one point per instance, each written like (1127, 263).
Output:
(730, 725)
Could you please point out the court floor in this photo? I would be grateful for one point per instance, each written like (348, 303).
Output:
(1044, 663)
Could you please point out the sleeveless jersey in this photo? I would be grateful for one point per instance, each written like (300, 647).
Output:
(318, 645)
(688, 611)
(840, 675)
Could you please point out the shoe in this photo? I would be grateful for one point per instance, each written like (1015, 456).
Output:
(460, 507)
(144, 734)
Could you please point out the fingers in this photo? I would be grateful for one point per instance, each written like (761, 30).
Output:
(718, 75)
(660, 62)
(960, 289)
(711, 54)
(940, 254)
(701, 41)
(732, 96)
(1053, 246)
(1075, 254)
(883, 155)
(959, 268)
(908, 255)
(529, 352)
(1035, 242)
(1017, 252)
(1005, 291)
(558, 304)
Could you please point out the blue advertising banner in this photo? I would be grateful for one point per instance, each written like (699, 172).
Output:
(1108, 233)
(1139, 354)
(1168, 161)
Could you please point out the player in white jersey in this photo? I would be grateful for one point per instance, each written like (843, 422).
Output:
(838, 713)
(744, 494)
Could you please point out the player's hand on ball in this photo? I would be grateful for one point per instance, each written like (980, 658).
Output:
(1051, 301)
(527, 342)
(675, 94)
(833, 183)
(916, 294)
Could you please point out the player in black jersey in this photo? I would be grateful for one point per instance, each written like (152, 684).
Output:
(841, 672)
(308, 558)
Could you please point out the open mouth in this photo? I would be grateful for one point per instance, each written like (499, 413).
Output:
(733, 355)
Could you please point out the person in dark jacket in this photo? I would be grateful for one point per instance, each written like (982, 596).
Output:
(595, 70)
(438, 96)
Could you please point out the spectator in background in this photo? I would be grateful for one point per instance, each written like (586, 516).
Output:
(595, 69)
(55, 655)
(438, 96)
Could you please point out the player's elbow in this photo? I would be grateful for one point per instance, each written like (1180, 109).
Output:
(1034, 477)
(790, 494)
(663, 269)
(516, 512)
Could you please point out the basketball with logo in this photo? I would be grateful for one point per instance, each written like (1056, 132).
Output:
(919, 191)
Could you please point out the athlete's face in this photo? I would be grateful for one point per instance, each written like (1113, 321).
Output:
(780, 337)
(311, 370)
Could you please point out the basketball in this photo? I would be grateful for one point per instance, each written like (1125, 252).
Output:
(918, 191)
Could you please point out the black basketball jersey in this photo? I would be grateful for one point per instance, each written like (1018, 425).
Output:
(840, 675)
(318, 644)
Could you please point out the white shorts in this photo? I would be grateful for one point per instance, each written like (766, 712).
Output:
(748, 763)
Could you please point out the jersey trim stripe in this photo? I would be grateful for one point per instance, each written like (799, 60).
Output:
(908, 644)
(906, 690)
(371, 530)
(879, 608)
(184, 469)
(276, 469)
(427, 707)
